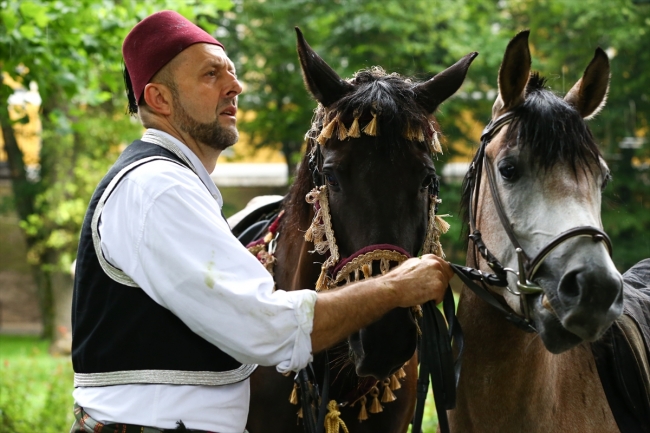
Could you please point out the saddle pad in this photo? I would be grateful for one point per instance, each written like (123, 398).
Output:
(622, 355)
(255, 210)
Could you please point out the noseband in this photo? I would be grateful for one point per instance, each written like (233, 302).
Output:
(528, 266)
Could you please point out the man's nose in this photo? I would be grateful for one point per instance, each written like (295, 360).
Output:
(233, 88)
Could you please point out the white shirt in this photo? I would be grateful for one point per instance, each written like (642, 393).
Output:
(163, 227)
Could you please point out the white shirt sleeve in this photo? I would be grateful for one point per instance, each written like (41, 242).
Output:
(165, 231)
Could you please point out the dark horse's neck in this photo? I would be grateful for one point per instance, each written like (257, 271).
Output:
(295, 267)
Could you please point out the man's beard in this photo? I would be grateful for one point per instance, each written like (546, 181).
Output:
(212, 134)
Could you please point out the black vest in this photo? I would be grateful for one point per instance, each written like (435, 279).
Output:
(118, 328)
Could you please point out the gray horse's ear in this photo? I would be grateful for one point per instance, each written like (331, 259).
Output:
(589, 94)
(323, 83)
(513, 75)
(435, 91)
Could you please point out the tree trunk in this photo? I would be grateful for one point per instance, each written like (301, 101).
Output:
(289, 150)
(24, 191)
(24, 194)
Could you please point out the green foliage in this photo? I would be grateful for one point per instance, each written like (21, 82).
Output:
(72, 50)
(35, 388)
(417, 37)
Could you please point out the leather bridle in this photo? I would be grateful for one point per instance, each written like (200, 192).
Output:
(528, 266)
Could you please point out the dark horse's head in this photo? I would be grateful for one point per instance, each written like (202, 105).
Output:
(370, 149)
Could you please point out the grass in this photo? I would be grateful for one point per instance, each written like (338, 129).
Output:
(35, 388)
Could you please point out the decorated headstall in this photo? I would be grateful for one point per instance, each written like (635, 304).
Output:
(321, 233)
(336, 272)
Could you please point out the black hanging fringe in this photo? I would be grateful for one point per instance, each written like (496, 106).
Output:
(132, 108)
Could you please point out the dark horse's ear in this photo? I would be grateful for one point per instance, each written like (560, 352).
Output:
(323, 83)
(433, 92)
(589, 94)
(513, 75)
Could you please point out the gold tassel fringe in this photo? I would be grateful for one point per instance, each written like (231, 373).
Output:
(367, 270)
(333, 421)
(327, 131)
(394, 382)
(343, 131)
(388, 393)
(443, 225)
(354, 131)
(363, 414)
(375, 406)
(436, 227)
(320, 232)
(436, 147)
(323, 280)
(293, 398)
(401, 374)
(371, 127)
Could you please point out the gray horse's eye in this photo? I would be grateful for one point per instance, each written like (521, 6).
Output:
(507, 171)
(607, 178)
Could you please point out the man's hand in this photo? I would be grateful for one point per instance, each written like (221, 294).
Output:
(419, 280)
(345, 310)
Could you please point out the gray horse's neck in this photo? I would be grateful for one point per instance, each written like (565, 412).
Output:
(511, 383)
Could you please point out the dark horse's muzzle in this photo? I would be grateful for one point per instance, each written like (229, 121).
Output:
(381, 348)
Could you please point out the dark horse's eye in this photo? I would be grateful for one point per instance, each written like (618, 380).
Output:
(507, 171)
(428, 181)
(331, 180)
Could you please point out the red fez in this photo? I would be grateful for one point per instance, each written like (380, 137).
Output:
(154, 42)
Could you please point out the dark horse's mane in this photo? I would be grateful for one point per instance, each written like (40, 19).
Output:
(551, 129)
(394, 100)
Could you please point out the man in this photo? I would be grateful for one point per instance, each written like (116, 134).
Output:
(170, 311)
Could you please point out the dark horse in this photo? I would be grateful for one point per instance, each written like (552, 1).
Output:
(536, 184)
(369, 173)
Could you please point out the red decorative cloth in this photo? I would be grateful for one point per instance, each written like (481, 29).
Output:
(155, 41)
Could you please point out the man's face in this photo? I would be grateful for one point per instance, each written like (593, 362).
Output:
(205, 95)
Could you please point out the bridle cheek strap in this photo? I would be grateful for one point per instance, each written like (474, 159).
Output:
(528, 266)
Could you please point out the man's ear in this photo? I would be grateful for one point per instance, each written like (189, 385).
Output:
(159, 98)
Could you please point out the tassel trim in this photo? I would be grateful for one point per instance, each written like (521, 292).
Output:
(375, 406)
(388, 395)
(371, 127)
(354, 131)
(327, 131)
(333, 421)
(436, 227)
(320, 232)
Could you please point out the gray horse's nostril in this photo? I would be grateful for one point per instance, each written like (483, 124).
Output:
(569, 289)
(590, 301)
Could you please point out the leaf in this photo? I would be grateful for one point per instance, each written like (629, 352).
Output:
(34, 12)
(28, 31)
(9, 19)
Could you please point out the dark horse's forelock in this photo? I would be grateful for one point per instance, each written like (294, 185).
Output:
(390, 95)
(551, 129)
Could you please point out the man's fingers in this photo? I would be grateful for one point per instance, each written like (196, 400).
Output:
(442, 264)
